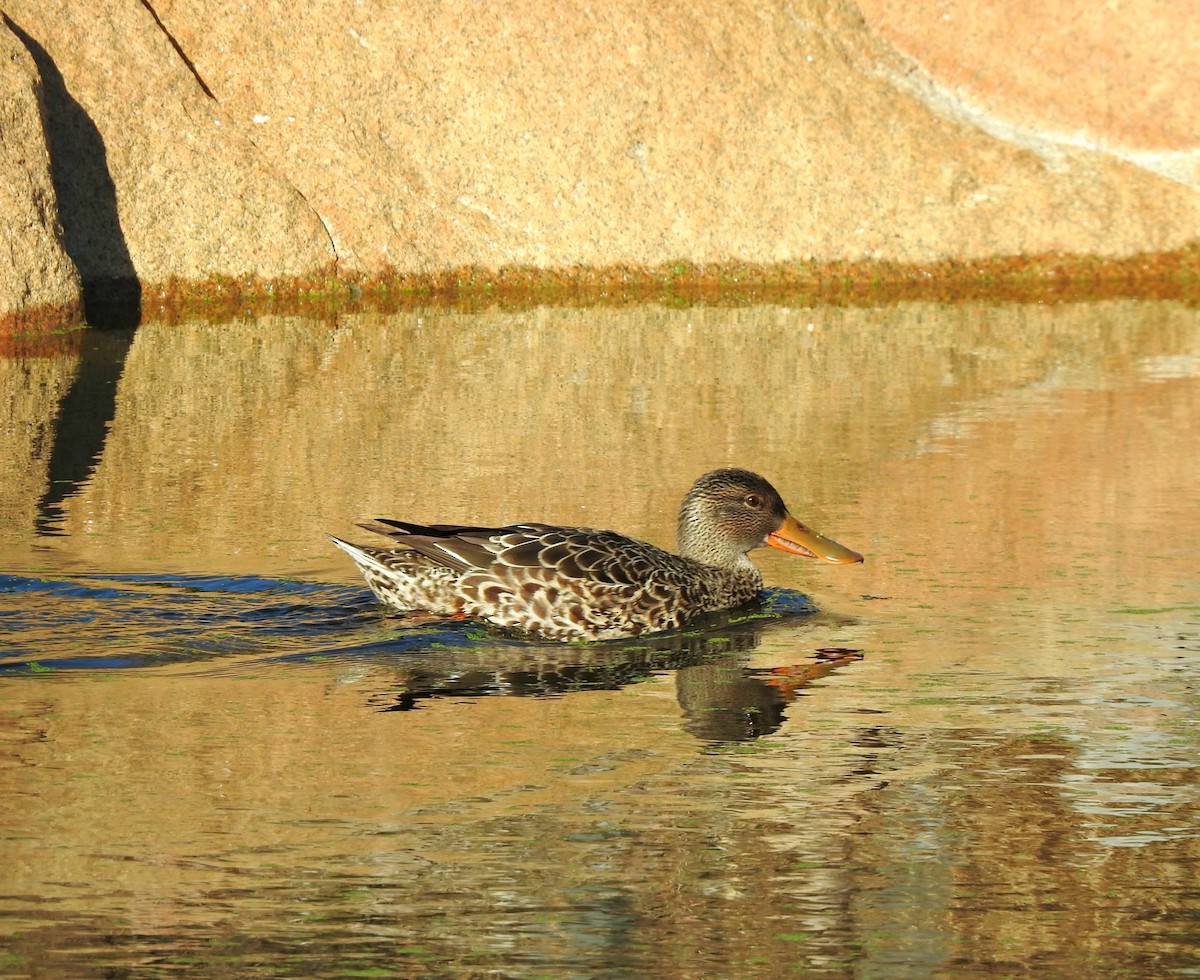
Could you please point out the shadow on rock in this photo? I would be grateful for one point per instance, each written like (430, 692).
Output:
(87, 199)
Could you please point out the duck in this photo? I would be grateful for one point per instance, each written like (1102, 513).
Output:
(579, 584)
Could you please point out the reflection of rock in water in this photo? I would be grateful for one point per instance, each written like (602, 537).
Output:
(82, 423)
(722, 699)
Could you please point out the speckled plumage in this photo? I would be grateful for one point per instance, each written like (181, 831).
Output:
(571, 583)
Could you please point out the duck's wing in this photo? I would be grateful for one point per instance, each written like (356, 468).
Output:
(566, 553)
(390, 528)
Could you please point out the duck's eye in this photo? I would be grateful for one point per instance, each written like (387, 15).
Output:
(753, 501)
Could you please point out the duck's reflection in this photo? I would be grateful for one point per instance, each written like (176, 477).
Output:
(731, 703)
(722, 697)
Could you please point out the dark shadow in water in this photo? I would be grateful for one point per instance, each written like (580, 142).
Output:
(82, 423)
(87, 200)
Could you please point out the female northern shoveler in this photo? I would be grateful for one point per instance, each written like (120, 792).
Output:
(576, 583)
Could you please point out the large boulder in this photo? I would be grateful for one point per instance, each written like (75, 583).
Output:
(438, 134)
(192, 138)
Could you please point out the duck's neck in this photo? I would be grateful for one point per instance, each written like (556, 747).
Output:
(692, 542)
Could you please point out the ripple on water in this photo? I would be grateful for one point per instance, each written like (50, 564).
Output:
(116, 622)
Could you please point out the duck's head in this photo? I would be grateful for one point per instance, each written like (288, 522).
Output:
(728, 512)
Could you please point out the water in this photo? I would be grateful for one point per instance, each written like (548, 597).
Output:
(975, 754)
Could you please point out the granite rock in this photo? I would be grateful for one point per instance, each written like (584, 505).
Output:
(195, 138)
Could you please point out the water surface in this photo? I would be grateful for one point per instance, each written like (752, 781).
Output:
(975, 754)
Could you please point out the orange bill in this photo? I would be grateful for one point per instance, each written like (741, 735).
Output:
(794, 538)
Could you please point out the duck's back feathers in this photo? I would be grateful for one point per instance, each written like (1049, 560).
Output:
(574, 553)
